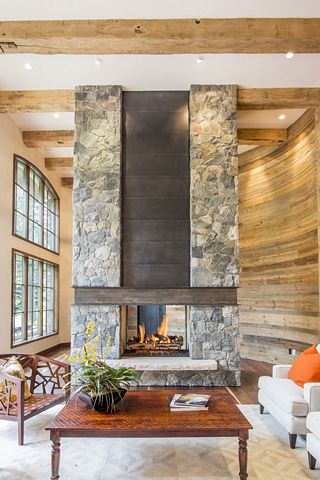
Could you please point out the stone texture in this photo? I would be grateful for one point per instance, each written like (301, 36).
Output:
(214, 186)
(107, 319)
(164, 363)
(214, 331)
(96, 187)
(214, 335)
(186, 378)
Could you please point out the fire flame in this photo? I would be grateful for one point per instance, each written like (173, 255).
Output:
(142, 330)
(163, 328)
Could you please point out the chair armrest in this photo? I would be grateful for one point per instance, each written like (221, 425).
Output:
(6, 395)
(11, 378)
(280, 371)
(52, 361)
(311, 393)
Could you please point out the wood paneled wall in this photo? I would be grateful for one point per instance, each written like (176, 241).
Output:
(279, 285)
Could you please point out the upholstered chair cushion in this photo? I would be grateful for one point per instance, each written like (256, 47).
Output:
(286, 394)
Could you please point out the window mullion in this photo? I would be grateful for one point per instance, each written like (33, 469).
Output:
(41, 305)
(26, 299)
(28, 200)
(42, 199)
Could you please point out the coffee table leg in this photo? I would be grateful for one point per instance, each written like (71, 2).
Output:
(243, 454)
(55, 454)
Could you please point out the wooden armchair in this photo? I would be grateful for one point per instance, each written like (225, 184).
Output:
(45, 377)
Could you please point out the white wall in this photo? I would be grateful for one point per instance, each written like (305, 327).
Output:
(10, 143)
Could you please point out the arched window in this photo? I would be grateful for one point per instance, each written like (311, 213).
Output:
(36, 206)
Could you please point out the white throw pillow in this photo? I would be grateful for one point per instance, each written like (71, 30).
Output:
(318, 348)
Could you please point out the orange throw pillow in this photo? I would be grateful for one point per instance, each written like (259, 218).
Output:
(306, 368)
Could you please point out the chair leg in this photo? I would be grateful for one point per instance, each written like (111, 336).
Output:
(261, 409)
(21, 431)
(292, 440)
(312, 461)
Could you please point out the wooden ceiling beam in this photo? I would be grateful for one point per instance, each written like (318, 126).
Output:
(48, 138)
(64, 138)
(276, 98)
(261, 136)
(161, 36)
(59, 164)
(15, 101)
(67, 182)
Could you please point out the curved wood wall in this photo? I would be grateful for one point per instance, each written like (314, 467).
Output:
(279, 288)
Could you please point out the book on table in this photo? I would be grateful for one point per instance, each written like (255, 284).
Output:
(189, 402)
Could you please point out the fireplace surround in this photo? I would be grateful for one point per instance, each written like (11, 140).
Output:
(210, 297)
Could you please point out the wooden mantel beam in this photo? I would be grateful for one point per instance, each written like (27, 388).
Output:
(48, 138)
(14, 101)
(161, 36)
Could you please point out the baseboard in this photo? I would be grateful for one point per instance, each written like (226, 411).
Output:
(52, 349)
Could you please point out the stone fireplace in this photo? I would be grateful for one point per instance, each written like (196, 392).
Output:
(167, 301)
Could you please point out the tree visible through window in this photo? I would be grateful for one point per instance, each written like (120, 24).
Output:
(36, 206)
(35, 298)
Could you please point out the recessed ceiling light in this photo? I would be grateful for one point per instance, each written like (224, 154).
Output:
(98, 62)
(282, 116)
(289, 55)
(200, 59)
(56, 115)
(28, 66)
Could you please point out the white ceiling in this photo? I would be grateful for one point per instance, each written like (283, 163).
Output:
(155, 72)
(158, 72)
(246, 119)
(76, 9)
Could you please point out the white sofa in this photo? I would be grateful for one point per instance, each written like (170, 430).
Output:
(287, 402)
(313, 438)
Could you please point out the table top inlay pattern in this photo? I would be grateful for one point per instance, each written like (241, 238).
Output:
(145, 413)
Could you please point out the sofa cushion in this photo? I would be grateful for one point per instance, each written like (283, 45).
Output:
(313, 423)
(306, 368)
(286, 394)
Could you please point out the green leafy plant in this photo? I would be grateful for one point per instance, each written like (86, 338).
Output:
(92, 375)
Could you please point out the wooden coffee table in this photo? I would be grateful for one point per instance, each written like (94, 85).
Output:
(145, 413)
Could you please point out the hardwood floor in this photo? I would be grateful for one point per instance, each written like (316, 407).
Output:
(251, 370)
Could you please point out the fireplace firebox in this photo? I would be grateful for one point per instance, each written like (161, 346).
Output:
(158, 330)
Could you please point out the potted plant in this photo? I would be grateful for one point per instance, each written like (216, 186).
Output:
(94, 381)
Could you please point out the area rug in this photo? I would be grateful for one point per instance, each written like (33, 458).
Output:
(270, 457)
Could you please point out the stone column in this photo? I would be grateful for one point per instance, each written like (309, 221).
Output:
(214, 222)
(97, 206)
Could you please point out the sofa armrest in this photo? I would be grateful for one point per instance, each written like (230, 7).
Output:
(280, 371)
(311, 393)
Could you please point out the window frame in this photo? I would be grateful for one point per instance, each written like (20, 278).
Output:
(56, 309)
(48, 184)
